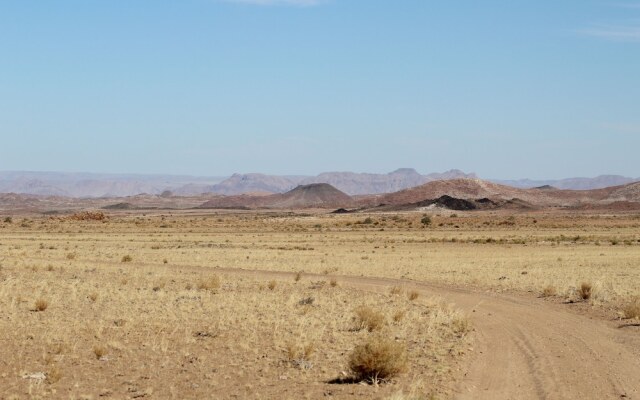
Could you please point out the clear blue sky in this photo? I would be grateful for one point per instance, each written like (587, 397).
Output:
(506, 89)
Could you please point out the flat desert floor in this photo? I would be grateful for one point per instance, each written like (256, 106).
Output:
(233, 305)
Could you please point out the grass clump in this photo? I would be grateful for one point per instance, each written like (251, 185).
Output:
(298, 276)
(377, 360)
(272, 285)
(99, 351)
(585, 290)
(369, 319)
(632, 309)
(127, 258)
(210, 283)
(413, 295)
(549, 291)
(41, 305)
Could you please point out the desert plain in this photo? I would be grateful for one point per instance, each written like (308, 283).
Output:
(302, 305)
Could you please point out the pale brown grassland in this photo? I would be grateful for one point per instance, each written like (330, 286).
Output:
(144, 307)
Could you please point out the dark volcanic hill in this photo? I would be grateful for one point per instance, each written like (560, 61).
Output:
(474, 189)
(317, 195)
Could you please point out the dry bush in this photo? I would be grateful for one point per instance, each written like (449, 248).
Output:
(41, 305)
(333, 282)
(585, 290)
(53, 375)
(298, 276)
(300, 352)
(126, 258)
(399, 315)
(93, 296)
(395, 290)
(460, 325)
(99, 351)
(413, 295)
(210, 283)
(71, 256)
(272, 285)
(632, 309)
(377, 360)
(549, 291)
(369, 319)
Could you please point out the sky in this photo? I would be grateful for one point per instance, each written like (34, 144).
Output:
(503, 88)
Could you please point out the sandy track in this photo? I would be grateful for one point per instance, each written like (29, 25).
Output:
(527, 348)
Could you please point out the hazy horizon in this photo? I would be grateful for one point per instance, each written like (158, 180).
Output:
(543, 90)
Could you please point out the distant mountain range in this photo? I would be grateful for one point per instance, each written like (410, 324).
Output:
(88, 185)
(598, 182)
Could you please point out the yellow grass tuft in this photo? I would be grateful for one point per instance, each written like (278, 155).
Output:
(210, 283)
(41, 305)
(369, 319)
(585, 290)
(632, 309)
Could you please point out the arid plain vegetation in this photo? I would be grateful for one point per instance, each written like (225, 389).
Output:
(254, 304)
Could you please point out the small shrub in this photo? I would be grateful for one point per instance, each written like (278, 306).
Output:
(378, 359)
(549, 291)
(99, 351)
(460, 325)
(298, 276)
(367, 221)
(632, 309)
(414, 294)
(395, 290)
(585, 290)
(399, 316)
(307, 301)
(426, 220)
(41, 305)
(126, 258)
(71, 256)
(333, 282)
(210, 283)
(272, 285)
(300, 352)
(93, 296)
(8, 220)
(53, 375)
(369, 319)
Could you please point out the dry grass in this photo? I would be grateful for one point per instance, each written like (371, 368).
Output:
(126, 258)
(413, 295)
(151, 334)
(549, 291)
(209, 283)
(369, 319)
(585, 290)
(141, 341)
(272, 285)
(41, 305)
(632, 309)
(99, 351)
(378, 359)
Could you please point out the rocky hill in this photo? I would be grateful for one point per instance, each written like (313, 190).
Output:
(318, 195)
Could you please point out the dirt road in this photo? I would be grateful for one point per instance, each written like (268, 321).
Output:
(527, 348)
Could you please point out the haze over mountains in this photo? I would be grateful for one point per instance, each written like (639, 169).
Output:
(88, 185)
